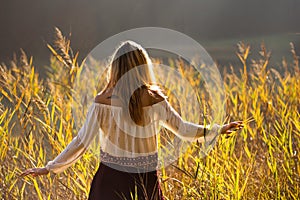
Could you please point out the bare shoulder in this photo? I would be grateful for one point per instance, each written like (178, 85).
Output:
(148, 97)
(154, 97)
(102, 97)
(158, 98)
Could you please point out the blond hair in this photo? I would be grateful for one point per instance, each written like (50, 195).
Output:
(133, 58)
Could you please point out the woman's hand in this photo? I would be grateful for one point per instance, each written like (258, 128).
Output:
(35, 171)
(232, 126)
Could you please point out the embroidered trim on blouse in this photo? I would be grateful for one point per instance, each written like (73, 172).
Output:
(149, 161)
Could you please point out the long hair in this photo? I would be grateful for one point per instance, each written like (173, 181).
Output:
(130, 74)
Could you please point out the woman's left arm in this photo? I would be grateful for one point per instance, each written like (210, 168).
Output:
(75, 149)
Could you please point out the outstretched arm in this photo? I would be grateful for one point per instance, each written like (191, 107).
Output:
(75, 149)
(67, 157)
(191, 131)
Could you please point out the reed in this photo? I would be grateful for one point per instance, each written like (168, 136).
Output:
(260, 162)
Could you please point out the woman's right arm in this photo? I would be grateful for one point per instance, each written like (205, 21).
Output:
(191, 131)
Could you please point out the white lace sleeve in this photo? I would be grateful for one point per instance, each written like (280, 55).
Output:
(79, 144)
(187, 130)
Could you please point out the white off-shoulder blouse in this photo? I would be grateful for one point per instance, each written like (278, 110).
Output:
(120, 137)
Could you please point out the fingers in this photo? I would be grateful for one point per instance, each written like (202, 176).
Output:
(236, 125)
(27, 172)
(33, 171)
(237, 128)
(231, 127)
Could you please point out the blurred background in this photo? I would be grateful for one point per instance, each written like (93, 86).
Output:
(38, 110)
(217, 25)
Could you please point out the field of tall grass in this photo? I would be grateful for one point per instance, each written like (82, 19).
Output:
(259, 162)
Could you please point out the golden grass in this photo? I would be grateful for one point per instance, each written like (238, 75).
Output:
(260, 162)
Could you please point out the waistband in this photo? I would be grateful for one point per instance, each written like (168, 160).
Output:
(137, 164)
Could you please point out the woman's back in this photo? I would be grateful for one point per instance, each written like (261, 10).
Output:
(120, 135)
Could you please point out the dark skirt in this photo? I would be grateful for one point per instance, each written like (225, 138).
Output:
(111, 184)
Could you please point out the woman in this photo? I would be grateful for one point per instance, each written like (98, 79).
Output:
(126, 116)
